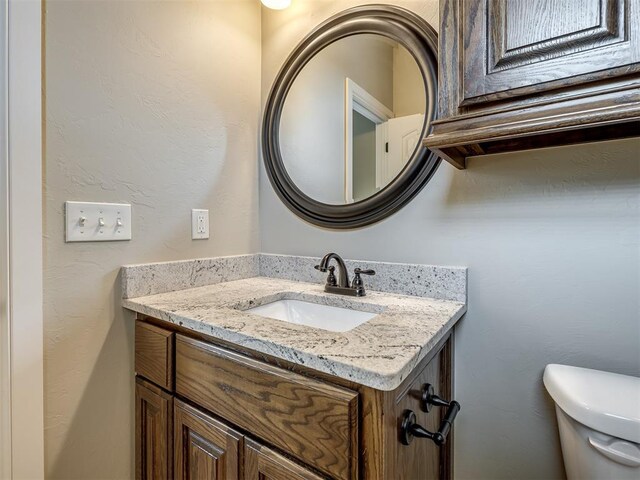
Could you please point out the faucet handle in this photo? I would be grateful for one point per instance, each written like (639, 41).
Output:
(358, 271)
(358, 284)
(331, 278)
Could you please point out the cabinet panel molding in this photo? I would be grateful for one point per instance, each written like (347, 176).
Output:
(262, 463)
(520, 48)
(154, 412)
(516, 75)
(523, 34)
(204, 448)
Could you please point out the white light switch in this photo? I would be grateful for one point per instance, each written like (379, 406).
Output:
(97, 222)
(199, 224)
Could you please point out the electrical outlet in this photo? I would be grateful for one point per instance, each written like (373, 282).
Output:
(199, 224)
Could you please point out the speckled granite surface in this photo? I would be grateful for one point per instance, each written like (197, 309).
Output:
(447, 283)
(379, 353)
(161, 277)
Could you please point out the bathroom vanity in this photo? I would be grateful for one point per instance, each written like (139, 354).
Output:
(225, 393)
(207, 410)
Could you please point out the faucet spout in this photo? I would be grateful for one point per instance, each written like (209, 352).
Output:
(342, 286)
(343, 275)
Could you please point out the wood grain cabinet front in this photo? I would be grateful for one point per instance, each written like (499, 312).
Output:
(154, 416)
(420, 455)
(262, 463)
(311, 420)
(154, 354)
(523, 74)
(232, 415)
(205, 448)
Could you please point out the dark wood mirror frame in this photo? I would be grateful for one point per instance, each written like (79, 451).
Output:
(420, 39)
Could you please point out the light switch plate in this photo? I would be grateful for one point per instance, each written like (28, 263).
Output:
(97, 222)
(199, 224)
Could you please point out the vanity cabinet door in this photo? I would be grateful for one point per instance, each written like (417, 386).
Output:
(422, 458)
(514, 48)
(422, 455)
(205, 449)
(516, 75)
(262, 463)
(154, 411)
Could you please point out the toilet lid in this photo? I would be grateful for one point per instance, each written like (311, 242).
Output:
(607, 402)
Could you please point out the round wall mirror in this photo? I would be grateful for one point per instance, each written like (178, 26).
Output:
(345, 119)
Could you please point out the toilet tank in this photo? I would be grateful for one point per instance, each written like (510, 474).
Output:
(598, 420)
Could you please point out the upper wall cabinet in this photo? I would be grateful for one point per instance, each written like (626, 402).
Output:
(521, 74)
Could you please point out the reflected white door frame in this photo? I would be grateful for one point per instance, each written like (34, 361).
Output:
(21, 318)
(359, 100)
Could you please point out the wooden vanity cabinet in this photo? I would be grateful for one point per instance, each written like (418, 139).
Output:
(231, 415)
(262, 463)
(517, 75)
(205, 448)
(154, 354)
(154, 421)
(313, 421)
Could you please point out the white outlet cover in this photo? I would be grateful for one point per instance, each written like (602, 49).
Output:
(97, 222)
(199, 224)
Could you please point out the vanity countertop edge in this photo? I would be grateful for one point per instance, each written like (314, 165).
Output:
(379, 354)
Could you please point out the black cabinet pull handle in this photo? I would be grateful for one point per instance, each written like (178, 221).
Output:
(409, 427)
(430, 399)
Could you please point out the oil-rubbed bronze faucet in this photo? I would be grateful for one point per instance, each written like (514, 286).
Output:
(342, 286)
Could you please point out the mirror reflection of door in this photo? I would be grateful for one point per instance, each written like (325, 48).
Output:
(374, 168)
(377, 146)
(364, 180)
(352, 119)
(403, 135)
(365, 123)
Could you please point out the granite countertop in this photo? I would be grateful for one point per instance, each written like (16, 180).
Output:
(379, 353)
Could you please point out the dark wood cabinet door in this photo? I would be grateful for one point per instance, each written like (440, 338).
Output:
(204, 448)
(262, 463)
(515, 47)
(154, 409)
(422, 458)
(522, 74)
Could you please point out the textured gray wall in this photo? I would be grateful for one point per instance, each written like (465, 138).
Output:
(156, 104)
(552, 242)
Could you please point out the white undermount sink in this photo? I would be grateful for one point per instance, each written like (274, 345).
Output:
(326, 317)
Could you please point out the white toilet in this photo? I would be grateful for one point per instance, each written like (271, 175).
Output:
(599, 421)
